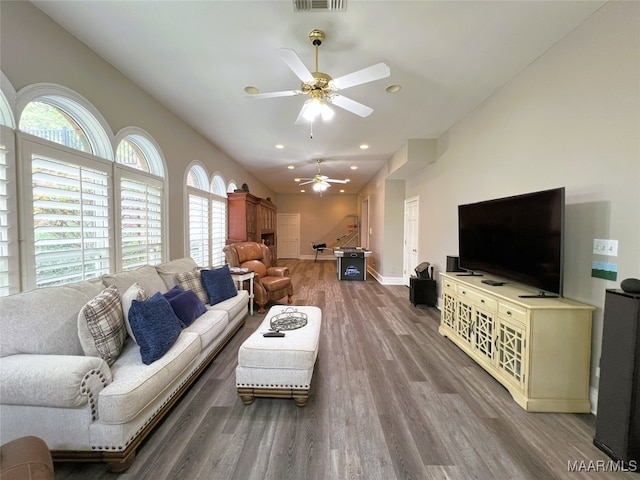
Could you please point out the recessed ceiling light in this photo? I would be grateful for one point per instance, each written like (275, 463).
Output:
(251, 90)
(342, 191)
(364, 146)
(353, 167)
(296, 179)
(280, 146)
(302, 190)
(290, 167)
(393, 88)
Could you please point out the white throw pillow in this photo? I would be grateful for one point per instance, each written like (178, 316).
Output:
(134, 292)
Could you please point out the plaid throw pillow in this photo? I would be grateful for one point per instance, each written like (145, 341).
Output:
(105, 321)
(192, 281)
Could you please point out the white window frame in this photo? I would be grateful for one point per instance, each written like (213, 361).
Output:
(10, 268)
(28, 146)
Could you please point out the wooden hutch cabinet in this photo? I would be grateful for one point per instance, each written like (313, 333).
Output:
(252, 219)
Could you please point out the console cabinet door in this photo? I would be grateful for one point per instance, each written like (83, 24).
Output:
(448, 310)
(511, 348)
(484, 333)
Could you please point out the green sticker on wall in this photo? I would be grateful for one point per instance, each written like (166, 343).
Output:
(607, 271)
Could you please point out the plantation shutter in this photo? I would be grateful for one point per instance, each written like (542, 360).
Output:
(70, 220)
(141, 220)
(199, 229)
(218, 231)
(9, 279)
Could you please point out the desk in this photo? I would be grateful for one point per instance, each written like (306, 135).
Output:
(239, 278)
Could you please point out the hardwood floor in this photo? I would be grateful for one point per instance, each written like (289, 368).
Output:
(390, 399)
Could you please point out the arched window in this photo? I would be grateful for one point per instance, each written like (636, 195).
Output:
(199, 228)
(67, 167)
(139, 176)
(218, 219)
(207, 217)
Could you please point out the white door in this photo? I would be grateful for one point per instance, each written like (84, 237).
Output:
(288, 235)
(410, 237)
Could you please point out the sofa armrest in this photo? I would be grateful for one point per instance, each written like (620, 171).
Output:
(278, 272)
(52, 380)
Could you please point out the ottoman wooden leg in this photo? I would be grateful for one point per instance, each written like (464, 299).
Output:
(301, 397)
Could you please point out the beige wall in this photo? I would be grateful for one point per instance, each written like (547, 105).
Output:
(571, 119)
(34, 49)
(318, 216)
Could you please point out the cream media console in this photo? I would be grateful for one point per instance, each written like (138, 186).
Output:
(538, 348)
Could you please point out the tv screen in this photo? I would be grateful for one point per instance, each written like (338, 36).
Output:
(518, 238)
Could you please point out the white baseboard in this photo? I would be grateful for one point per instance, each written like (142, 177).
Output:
(385, 280)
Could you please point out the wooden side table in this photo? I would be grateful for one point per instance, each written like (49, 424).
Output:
(239, 278)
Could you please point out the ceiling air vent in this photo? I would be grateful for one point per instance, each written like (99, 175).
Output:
(313, 5)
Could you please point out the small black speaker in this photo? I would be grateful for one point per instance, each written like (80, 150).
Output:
(630, 285)
(453, 265)
(422, 270)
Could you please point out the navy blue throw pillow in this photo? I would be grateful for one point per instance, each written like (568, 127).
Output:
(187, 306)
(177, 290)
(218, 284)
(155, 327)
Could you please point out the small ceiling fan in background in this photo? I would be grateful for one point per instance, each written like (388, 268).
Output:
(321, 88)
(320, 182)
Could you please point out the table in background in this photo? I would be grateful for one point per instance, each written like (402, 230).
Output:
(239, 278)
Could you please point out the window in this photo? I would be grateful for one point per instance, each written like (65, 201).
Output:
(69, 216)
(207, 217)
(141, 202)
(9, 277)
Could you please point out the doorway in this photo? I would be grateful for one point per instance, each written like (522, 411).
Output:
(288, 235)
(410, 237)
(364, 224)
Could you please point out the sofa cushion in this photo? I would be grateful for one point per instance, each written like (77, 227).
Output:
(155, 327)
(135, 385)
(147, 277)
(134, 292)
(27, 325)
(218, 284)
(209, 326)
(233, 306)
(168, 270)
(187, 306)
(192, 281)
(101, 326)
(175, 290)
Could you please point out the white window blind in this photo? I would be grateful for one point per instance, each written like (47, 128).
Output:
(70, 221)
(9, 278)
(141, 221)
(218, 231)
(199, 229)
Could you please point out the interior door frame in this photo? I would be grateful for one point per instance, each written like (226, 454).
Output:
(406, 269)
(364, 223)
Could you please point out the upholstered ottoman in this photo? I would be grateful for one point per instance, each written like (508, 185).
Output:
(279, 367)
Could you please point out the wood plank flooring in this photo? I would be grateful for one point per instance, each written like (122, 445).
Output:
(390, 399)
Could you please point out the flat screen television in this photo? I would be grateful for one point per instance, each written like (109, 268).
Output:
(519, 238)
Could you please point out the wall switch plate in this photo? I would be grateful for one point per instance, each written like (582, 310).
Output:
(605, 247)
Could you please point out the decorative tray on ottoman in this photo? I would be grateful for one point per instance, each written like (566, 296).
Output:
(289, 319)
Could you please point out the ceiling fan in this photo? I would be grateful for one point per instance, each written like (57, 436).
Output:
(320, 182)
(321, 88)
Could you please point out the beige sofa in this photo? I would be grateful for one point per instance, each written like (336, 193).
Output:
(80, 406)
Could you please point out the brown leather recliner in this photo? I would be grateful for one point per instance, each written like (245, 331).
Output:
(270, 283)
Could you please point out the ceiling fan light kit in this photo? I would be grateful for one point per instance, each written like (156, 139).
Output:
(321, 88)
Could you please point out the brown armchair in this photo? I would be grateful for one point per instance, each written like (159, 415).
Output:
(270, 283)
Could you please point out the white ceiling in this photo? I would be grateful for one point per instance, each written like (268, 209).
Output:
(196, 57)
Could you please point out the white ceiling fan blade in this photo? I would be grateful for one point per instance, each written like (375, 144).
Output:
(293, 61)
(351, 105)
(301, 120)
(307, 182)
(286, 93)
(369, 74)
(333, 180)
